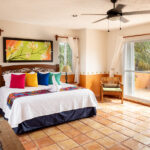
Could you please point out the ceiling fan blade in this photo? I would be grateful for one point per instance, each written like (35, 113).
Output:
(119, 7)
(124, 20)
(93, 14)
(99, 20)
(137, 12)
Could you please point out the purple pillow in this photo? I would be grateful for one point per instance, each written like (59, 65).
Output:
(17, 81)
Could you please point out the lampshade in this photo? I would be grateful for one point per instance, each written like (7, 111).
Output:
(66, 69)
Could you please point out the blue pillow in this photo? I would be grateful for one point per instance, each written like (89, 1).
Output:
(43, 79)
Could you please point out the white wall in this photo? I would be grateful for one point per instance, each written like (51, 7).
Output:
(96, 51)
(30, 31)
(93, 51)
(112, 36)
(92, 43)
(82, 53)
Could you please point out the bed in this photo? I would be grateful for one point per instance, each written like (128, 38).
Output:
(39, 111)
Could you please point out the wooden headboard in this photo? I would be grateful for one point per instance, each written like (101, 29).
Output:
(30, 67)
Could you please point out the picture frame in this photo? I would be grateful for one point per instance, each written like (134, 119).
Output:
(27, 50)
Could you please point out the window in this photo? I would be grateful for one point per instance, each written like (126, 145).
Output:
(65, 55)
(137, 69)
(142, 56)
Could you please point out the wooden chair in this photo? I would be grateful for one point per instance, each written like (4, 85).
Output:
(111, 86)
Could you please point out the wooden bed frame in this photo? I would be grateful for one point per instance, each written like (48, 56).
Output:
(30, 66)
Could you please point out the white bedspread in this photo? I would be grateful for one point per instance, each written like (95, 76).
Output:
(28, 107)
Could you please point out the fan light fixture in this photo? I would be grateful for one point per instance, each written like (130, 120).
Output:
(114, 18)
(116, 13)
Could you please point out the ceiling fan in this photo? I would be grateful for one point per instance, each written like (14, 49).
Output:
(116, 13)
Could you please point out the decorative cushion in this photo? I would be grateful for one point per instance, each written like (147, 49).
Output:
(7, 78)
(112, 89)
(17, 81)
(43, 78)
(57, 77)
(31, 80)
(111, 85)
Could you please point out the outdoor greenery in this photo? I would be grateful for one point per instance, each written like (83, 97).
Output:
(142, 56)
(65, 55)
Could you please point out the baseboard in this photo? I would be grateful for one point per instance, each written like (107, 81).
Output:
(133, 101)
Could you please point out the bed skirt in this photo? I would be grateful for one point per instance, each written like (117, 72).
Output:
(53, 119)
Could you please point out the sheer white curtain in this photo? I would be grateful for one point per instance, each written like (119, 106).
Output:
(73, 43)
(117, 55)
(117, 58)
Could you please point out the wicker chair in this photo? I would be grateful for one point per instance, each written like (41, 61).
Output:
(111, 86)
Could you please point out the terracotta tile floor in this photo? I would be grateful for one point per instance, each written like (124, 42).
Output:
(116, 127)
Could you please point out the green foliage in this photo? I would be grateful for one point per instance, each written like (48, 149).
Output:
(69, 56)
(142, 56)
(61, 56)
(64, 47)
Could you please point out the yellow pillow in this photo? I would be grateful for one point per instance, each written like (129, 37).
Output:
(31, 80)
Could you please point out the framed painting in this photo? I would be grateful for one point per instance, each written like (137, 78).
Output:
(27, 50)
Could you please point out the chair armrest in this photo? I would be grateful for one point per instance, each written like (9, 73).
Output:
(121, 85)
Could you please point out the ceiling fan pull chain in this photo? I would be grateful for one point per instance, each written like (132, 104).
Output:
(108, 25)
(120, 24)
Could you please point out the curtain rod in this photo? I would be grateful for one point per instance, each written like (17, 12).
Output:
(1, 31)
(65, 37)
(129, 36)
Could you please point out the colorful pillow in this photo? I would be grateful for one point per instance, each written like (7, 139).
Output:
(31, 79)
(17, 81)
(7, 78)
(43, 78)
(57, 77)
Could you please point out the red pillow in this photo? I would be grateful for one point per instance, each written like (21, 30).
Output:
(17, 81)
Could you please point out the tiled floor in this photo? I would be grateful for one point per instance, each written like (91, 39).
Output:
(142, 93)
(116, 127)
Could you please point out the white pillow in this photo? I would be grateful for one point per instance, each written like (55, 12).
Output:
(55, 87)
(7, 78)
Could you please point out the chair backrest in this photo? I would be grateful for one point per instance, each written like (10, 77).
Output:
(112, 80)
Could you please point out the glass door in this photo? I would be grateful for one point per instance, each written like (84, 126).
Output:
(137, 70)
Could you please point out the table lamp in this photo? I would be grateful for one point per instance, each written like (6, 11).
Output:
(66, 69)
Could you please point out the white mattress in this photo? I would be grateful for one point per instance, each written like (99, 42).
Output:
(28, 107)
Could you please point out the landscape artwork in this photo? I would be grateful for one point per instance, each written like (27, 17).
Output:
(27, 50)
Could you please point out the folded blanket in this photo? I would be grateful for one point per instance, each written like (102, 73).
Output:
(13, 96)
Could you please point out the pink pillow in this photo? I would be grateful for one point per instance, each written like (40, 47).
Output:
(17, 81)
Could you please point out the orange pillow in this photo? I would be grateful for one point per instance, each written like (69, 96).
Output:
(31, 80)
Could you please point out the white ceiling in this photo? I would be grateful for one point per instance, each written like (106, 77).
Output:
(59, 13)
